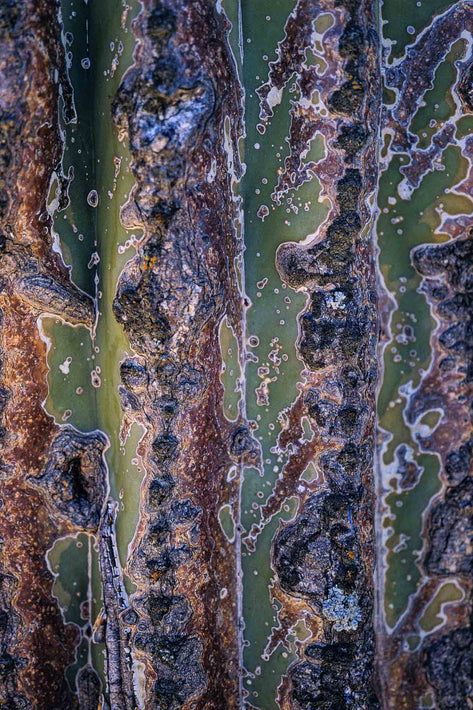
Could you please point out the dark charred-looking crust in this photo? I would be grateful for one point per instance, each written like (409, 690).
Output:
(446, 270)
(449, 663)
(180, 108)
(75, 477)
(326, 555)
(175, 106)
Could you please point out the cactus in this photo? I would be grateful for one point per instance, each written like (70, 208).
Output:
(236, 354)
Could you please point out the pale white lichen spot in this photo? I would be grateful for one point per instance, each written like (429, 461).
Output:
(274, 97)
(95, 379)
(263, 212)
(212, 172)
(231, 475)
(94, 260)
(64, 366)
(227, 522)
(93, 198)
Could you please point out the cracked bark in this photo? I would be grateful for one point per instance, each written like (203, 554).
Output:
(327, 554)
(176, 642)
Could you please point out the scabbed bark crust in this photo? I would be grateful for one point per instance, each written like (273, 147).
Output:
(442, 661)
(175, 106)
(36, 645)
(326, 555)
(440, 664)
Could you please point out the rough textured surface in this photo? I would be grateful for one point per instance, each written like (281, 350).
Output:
(48, 296)
(119, 660)
(446, 270)
(451, 533)
(54, 480)
(170, 299)
(180, 108)
(326, 555)
(449, 665)
(89, 689)
(36, 643)
(75, 477)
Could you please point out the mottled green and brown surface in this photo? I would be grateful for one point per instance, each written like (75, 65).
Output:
(236, 270)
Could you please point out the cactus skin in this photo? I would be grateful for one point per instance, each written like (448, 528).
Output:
(173, 638)
(36, 644)
(171, 299)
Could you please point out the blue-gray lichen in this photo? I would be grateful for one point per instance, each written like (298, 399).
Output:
(343, 609)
